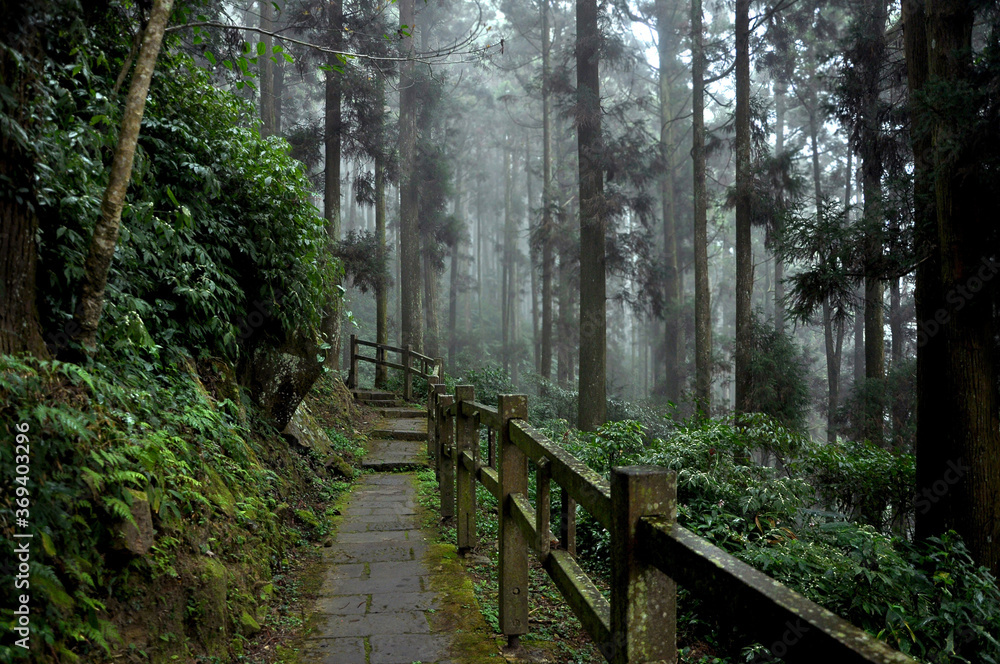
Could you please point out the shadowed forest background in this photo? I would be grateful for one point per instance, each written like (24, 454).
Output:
(754, 242)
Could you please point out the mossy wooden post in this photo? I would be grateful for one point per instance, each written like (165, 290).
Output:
(436, 390)
(513, 472)
(352, 378)
(446, 455)
(466, 440)
(543, 507)
(407, 376)
(438, 368)
(643, 599)
(567, 523)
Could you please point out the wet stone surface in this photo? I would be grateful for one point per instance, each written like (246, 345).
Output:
(374, 601)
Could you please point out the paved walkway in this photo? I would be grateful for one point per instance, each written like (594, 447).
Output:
(376, 600)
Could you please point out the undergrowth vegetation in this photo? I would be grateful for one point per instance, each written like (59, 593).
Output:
(831, 521)
(109, 442)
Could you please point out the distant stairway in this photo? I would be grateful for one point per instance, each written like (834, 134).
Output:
(399, 440)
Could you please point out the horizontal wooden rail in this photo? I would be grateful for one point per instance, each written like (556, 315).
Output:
(430, 369)
(780, 617)
(649, 551)
(585, 486)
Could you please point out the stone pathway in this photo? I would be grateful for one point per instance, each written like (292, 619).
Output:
(399, 442)
(375, 603)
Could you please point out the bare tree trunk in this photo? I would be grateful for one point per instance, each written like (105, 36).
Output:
(456, 268)
(593, 321)
(673, 346)
(409, 225)
(744, 248)
(780, 88)
(873, 216)
(381, 288)
(547, 253)
(102, 244)
(431, 334)
(506, 285)
(536, 338)
(331, 188)
(702, 294)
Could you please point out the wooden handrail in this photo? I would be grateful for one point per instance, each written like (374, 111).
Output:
(430, 369)
(649, 551)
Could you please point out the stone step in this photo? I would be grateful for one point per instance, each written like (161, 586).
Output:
(381, 403)
(402, 412)
(401, 429)
(383, 455)
(373, 395)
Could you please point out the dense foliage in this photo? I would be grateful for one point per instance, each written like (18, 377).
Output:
(220, 241)
(819, 522)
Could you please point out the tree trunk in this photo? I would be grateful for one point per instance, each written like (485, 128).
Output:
(409, 225)
(673, 346)
(744, 249)
(532, 262)
(702, 294)
(593, 321)
(508, 262)
(102, 244)
(832, 371)
(780, 88)
(964, 218)
(934, 517)
(456, 268)
(547, 253)
(873, 218)
(331, 189)
(268, 115)
(381, 288)
(431, 333)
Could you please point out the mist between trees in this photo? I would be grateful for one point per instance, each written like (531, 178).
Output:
(670, 212)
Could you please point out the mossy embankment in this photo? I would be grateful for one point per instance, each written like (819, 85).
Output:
(166, 512)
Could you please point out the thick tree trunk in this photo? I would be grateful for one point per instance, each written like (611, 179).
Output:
(409, 225)
(964, 218)
(702, 294)
(593, 320)
(934, 517)
(547, 253)
(744, 248)
(102, 244)
(673, 342)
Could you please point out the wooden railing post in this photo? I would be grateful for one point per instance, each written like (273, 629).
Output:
(446, 455)
(407, 376)
(439, 368)
(381, 371)
(567, 523)
(643, 599)
(466, 440)
(434, 391)
(352, 377)
(513, 476)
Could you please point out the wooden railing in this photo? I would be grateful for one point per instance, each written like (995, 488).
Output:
(650, 552)
(411, 363)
